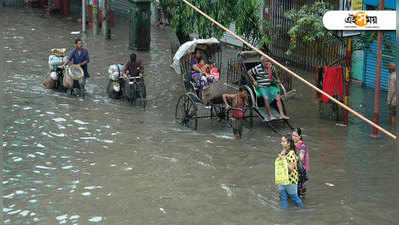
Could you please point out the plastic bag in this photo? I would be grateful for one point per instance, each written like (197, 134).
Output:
(114, 76)
(49, 83)
(72, 73)
(116, 68)
(54, 61)
(75, 72)
(67, 82)
(281, 171)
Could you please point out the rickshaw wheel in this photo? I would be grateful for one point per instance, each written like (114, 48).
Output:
(133, 93)
(251, 101)
(189, 87)
(186, 112)
(219, 112)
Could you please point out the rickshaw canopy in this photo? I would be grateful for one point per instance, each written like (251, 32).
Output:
(189, 47)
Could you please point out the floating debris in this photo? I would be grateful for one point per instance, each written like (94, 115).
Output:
(96, 219)
(62, 217)
(74, 217)
(59, 119)
(80, 122)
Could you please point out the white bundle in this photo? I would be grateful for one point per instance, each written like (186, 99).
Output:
(115, 71)
(115, 68)
(54, 61)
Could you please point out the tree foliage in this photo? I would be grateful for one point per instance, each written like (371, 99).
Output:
(243, 13)
(307, 28)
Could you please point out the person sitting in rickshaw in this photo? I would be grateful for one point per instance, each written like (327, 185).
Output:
(262, 77)
(239, 101)
(133, 67)
(209, 70)
(206, 71)
(196, 72)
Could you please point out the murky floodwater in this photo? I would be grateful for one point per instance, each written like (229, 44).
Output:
(73, 161)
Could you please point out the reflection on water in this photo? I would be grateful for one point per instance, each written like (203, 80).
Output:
(74, 161)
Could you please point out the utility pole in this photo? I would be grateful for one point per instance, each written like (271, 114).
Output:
(347, 76)
(83, 16)
(95, 17)
(106, 26)
(378, 77)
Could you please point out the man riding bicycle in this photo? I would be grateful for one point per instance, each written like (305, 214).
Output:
(133, 67)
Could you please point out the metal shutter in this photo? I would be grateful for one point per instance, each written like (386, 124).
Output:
(357, 65)
(370, 65)
(120, 7)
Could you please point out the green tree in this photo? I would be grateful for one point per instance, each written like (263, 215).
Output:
(307, 29)
(249, 24)
(244, 13)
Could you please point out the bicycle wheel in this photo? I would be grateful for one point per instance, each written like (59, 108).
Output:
(141, 95)
(186, 112)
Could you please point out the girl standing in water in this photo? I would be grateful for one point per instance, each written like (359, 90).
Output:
(301, 149)
(290, 190)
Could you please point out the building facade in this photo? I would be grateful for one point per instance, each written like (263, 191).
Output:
(364, 63)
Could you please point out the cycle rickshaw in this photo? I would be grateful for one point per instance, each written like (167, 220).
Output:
(187, 108)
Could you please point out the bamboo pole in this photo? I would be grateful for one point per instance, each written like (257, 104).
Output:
(291, 73)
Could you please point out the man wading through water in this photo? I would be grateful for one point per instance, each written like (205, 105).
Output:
(391, 100)
(80, 56)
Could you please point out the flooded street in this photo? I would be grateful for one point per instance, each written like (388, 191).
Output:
(68, 160)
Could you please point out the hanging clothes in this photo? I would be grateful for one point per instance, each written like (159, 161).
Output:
(333, 83)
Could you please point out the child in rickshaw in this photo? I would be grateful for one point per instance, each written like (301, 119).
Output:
(206, 71)
(239, 101)
(262, 78)
(210, 71)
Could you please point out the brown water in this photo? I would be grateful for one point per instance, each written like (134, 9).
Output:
(73, 161)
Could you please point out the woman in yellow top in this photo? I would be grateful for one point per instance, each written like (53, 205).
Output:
(290, 190)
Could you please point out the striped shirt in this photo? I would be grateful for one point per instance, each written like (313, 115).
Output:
(261, 75)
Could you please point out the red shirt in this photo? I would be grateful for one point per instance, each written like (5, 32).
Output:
(134, 68)
(238, 106)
